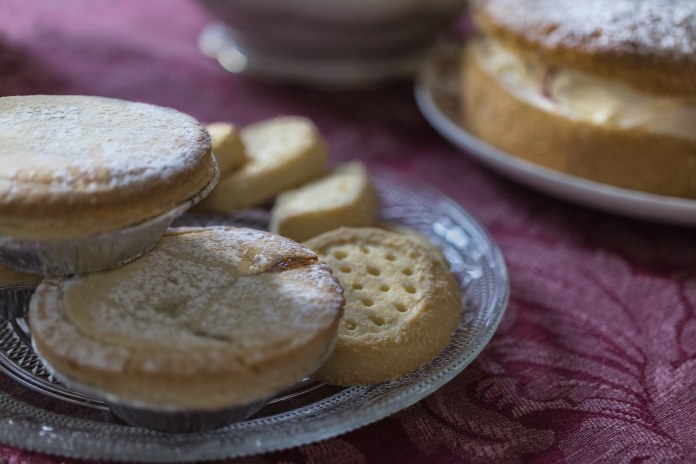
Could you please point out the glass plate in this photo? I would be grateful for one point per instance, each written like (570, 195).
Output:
(38, 413)
(438, 96)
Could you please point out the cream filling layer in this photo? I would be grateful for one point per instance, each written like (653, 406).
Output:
(583, 97)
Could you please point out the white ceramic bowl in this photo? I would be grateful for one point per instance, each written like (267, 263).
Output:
(333, 43)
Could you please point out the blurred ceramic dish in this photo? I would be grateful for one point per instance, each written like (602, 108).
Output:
(438, 96)
(312, 411)
(326, 44)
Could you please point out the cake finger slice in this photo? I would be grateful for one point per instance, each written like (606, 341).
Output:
(344, 197)
(227, 146)
(283, 153)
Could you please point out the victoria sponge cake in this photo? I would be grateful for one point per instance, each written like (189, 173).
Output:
(73, 166)
(600, 89)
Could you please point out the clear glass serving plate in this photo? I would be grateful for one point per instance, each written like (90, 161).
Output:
(39, 413)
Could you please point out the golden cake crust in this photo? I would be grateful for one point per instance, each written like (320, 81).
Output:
(72, 166)
(633, 159)
(210, 318)
(649, 44)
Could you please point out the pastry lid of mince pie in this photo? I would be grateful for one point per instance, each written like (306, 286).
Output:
(75, 166)
(212, 319)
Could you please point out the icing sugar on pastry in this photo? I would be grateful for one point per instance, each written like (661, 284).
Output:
(188, 304)
(198, 313)
(95, 146)
(74, 166)
(628, 25)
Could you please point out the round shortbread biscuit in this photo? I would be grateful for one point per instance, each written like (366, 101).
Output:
(74, 166)
(435, 252)
(402, 305)
(210, 318)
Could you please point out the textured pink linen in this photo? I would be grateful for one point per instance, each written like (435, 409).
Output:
(595, 360)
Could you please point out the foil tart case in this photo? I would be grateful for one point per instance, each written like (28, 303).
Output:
(14, 301)
(97, 252)
(171, 419)
(176, 419)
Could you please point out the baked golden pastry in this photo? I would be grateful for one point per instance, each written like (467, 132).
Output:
(434, 251)
(227, 146)
(402, 304)
(602, 89)
(74, 166)
(343, 197)
(210, 318)
(283, 152)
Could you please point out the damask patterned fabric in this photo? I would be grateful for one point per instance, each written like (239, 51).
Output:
(595, 359)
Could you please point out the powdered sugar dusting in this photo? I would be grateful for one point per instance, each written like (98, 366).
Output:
(213, 291)
(632, 26)
(48, 322)
(91, 143)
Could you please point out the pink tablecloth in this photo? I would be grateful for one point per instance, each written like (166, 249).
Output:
(595, 360)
